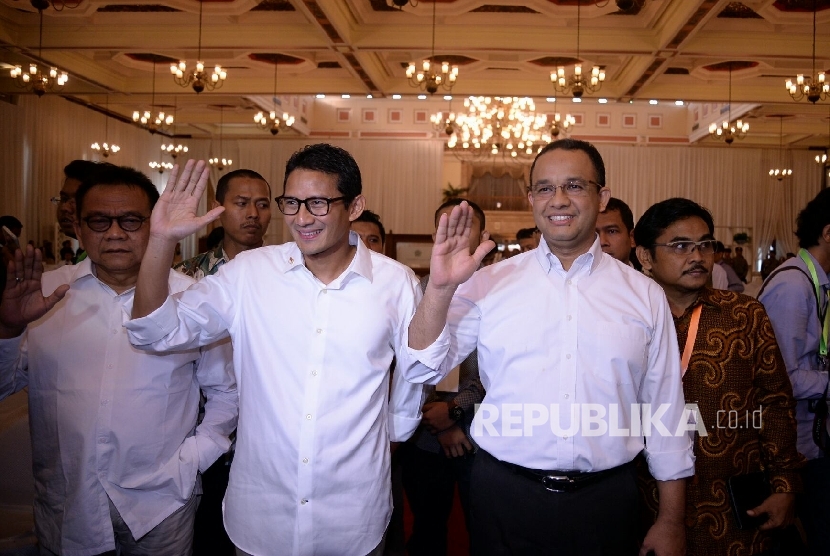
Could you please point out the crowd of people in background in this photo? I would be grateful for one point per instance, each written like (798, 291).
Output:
(287, 399)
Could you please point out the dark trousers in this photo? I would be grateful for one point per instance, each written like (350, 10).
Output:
(814, 505)
(513, 515)
(429, 481)
(210, 538)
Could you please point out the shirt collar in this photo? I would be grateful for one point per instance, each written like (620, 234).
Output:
(217, 257)
(591, 258)
(361, 263)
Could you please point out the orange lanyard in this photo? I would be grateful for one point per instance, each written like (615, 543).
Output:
(690, 340)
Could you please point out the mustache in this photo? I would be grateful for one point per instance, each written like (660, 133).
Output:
(695, 268)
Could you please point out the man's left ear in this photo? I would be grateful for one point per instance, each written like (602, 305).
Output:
(604, 197)
(825, 233)
(644, 255)
(78, 234)
(631, 239)
(356, 207)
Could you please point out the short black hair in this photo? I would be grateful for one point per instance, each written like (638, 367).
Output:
(576, 145)
(525, 233)
(110, 174)
(620, 206)
(322, 157)
(224, 182)
(812, 219)
(661, 215)
(372, 218)
(80, 169)
(457, 201)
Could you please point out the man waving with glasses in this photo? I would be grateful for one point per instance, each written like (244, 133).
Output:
(115, 445)
(558, 428)
(315, 325)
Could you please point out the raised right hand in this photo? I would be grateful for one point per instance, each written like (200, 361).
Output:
(23, 299)
(174, 216)
(451, 263)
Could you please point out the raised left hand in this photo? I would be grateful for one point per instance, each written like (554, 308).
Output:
(174, 216)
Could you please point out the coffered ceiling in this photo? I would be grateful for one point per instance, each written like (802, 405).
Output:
(666, 50)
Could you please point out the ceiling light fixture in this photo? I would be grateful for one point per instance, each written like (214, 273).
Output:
(171, 149)
(37, 80)
(427, 78)
(823, 158)
(560, 125)
(153, 123)
(106, 148)
(272, 122)
(198, 77)
(814, 87)
(728, 132)
(220, 162)
(577, 84)
(781, 171)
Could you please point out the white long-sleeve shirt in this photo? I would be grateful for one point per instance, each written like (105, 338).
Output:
(311, 474)
(555, 344)
(110, 420)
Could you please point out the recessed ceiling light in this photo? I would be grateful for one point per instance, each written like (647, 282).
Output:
(422, 97)
(447, 97)
(321, 95)
(678, 103)
(369, 96)
(602, 100)
(577, 100)
(396, 97)
(653, 101)
(551, 99)
(345, 96)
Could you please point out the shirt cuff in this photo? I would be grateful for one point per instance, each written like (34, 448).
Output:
(668, 466)
(430, 357)
(9, 347)
(402, 427)
(155, 326)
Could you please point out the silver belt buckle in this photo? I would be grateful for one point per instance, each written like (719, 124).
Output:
(558, 483)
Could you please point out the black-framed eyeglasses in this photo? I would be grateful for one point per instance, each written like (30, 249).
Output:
(571, 188)
(317, 206)
(62, 199)
(683, 247)
(127, 222)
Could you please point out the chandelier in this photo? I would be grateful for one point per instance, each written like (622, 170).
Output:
(505, 126)
(560, 124)
(106, 148)
(781, 171)
(161, 166)
(37, 80)
(445, 125)
(59, 5)
(220, 162)
(272, 122)
(727, 131)
(577, 84)
(429, 78)
(198, 77)
(153, 123)
(174, 150)
(814, 87)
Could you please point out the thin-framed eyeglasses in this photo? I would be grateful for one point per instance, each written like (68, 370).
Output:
(62, 199)
(317, 206)
(127, 222)
(684, 247)
(571, 188)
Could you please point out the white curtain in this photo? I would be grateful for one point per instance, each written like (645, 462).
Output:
(401, 179)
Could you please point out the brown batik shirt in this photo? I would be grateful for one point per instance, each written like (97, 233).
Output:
(737, 378)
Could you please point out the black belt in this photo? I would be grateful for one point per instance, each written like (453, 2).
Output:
(563, 481)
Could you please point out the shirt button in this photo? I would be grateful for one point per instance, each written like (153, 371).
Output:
(305, 460)
(568, 356)
(103, 402)
(567, 396)
(102, 441)
(325, 292)
(565, 437)
(303, 501)
(115, 332)
(319, 330)
(308, 416)
(569, 317)
(568, 282)
(313, 373)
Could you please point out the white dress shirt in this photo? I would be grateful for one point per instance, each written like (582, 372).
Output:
(311, 475)
(110, 420)
(599, 333)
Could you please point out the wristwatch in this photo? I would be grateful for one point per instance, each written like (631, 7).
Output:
(456, 411)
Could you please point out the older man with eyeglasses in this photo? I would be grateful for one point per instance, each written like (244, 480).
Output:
(115, 443)
(733, 371)
(574, 349)
(315, 325)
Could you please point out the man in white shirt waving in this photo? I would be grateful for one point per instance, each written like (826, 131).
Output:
(115, 445)
(561, 421)
(315, 324)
